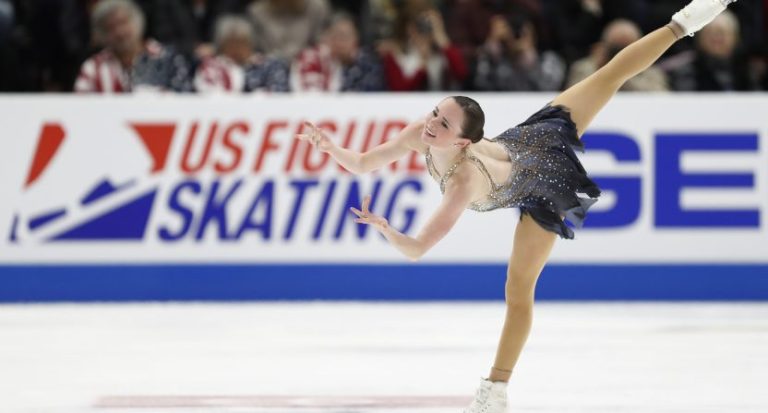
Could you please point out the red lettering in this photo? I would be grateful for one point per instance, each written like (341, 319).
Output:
(267, 144)
(415, 163)
(295, 143)
(234, 148)
(368, 136)
(186, 164)
(392, 128)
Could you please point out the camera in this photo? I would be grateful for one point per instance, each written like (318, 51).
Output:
(424, 25)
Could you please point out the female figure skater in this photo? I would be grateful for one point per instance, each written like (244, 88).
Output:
(531, 166)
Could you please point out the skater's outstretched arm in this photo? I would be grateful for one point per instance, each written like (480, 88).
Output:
(458, 194)
(375, 158)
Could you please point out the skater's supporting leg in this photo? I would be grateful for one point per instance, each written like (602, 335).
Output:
(532, 246)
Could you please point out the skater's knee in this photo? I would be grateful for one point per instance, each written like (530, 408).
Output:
(518, 302)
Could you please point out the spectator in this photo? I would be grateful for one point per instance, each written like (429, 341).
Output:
(337, 63)
(509, 59)
(469, 21)
(616, 36)
(285, 27)
(6, 20)
(188, 24)
(422, 57)
(6, 53)
(715, 65)
(578, 24)
(127, 62)
(236, 67)
(378, 21)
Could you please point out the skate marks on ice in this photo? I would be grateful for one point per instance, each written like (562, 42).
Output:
(287, 404)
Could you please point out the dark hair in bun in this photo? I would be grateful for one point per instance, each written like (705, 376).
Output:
(474, 118)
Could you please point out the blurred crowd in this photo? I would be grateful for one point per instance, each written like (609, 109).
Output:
(273, 46)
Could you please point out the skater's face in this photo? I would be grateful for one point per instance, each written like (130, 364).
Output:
(442, 126)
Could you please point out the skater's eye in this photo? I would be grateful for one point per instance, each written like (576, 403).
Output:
(434, 112)
(445, 125)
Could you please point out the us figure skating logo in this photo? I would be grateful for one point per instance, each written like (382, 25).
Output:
(109, 208)
(203, 180)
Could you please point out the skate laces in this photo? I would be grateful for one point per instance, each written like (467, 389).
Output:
(480, 403)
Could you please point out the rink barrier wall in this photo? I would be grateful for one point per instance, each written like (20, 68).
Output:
(198, 198)
(88, 283)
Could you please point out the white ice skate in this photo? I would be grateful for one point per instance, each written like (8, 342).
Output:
(698, 13)
(491, 397)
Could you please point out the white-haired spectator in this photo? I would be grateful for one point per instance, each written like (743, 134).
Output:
(617, 35)
(338, 63)
(236, 67)
(285, 27)
(128, 62)
(716, 64)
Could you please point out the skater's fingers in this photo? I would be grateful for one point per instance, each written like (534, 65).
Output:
(356, 211)
(366, 203)
(302, 136)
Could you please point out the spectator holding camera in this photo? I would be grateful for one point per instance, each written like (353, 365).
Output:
(236, 67)
(509, 59)
(422, 57)
(617, 35)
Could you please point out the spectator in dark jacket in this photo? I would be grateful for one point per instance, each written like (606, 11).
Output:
(188, 24)
(236, 67)
(509, 59)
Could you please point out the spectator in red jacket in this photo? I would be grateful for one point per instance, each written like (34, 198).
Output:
(423, 57)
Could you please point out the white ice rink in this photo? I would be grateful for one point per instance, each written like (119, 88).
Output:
(379, 357)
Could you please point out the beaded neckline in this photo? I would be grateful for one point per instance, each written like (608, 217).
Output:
(460, 157)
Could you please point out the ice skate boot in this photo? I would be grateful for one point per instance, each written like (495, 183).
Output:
(490, 397)
(698, 13)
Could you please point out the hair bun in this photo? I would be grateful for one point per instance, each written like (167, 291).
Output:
(479, 137)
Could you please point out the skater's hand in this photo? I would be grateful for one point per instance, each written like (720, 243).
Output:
(367, 217)
(316, 137)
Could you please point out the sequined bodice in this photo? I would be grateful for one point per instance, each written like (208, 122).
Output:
(539, 168)
(491, 200)
(545, 178)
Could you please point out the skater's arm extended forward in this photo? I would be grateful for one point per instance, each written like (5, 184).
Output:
(457, 197)
(372, 159)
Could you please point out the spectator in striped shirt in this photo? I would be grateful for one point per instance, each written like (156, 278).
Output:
(127, 62)
(338, 63)
(236, 67)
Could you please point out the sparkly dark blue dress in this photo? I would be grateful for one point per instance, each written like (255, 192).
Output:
(547, 176)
